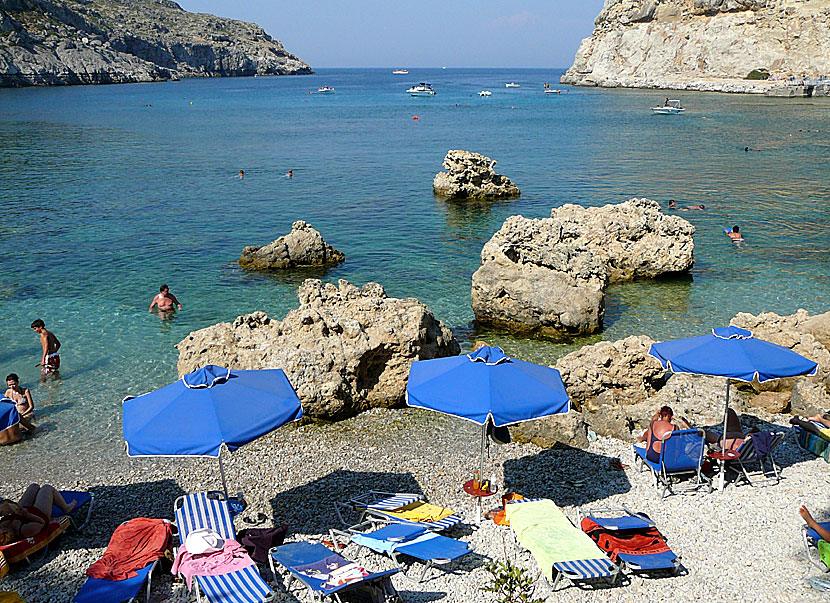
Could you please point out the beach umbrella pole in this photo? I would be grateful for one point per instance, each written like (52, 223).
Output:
(723, 437)
(483, 443)
(222, 473)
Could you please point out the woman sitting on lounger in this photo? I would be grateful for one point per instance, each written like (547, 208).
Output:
(661, 424)
(817, 424)
(734, 433)
(28, 517)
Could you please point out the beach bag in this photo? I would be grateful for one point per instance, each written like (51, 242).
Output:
(258, 541)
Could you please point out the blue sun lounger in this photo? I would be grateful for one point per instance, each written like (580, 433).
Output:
(311, 564)
(75, 515)
(96, 590)
(383, 508)
(116, 591)
(680, 455)
(414, 541)
(620, 523)
(210, 510)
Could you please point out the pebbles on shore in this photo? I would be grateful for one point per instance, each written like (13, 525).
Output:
(744, 543)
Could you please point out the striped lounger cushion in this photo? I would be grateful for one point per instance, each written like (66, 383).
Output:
(392, 503)
(813, 443)
(586, 569)
(244, 586)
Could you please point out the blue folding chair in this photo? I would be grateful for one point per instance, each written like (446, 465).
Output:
(396, 540)
(210, 510)
(681, 455)
(311, 563)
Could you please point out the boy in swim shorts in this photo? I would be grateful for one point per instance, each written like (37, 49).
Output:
(50, 361)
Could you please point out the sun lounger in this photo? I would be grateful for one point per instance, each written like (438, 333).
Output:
(758, 448)
(630, 539)
(314, 565)
(562, 551)
(397, 540)
(385, 507)
(77, 516)
(681, 455)
(812, 443)
(23, 549)
(96, 590)
(210, 510)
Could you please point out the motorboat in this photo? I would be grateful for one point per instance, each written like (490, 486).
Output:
(552, 91)
(422, 89)
(400, 71)
(670, 107)
(512, 85)
(325, 90)
(485, 93)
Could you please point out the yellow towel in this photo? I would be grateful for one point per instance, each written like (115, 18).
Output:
(421, 512)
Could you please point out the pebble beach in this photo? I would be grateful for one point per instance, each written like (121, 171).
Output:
(744, 543)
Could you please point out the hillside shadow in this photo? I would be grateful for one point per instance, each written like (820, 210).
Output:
(310, 507)
(568, 476)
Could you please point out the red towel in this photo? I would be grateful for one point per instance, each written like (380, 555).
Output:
(133, 545)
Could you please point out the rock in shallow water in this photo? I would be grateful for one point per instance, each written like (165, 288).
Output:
(549, 275)
(344, 349)
(303, 246)
(470, 175)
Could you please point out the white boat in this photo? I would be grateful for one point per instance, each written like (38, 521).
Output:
(670, 107)
(485, 93)
(512, 85)
(325, 90)
(552, 91)
(400, 71)
(422, 89)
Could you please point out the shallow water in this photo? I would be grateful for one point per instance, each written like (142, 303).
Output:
(104, 198)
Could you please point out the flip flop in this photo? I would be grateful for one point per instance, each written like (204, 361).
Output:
(260, 519)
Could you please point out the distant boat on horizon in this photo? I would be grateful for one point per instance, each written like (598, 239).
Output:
(512, 85)
(485, 93)
(671, 107)
(400, 71)
(325, 90)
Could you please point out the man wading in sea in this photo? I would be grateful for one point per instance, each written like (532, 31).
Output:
(50, 361)
(164, 300)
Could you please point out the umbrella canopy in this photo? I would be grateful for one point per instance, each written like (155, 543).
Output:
(487, 384)
(207, 408)
(733, 353)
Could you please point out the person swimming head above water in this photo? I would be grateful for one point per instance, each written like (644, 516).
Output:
(672, 204)
(735, 233)
(164, 300)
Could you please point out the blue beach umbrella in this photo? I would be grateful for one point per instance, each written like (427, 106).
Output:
(733, 353)
(486, 385)
(207, 409)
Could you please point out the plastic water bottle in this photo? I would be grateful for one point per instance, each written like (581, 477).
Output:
(476, 481)
(493, 482)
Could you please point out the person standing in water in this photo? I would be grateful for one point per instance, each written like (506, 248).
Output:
(735, 234)
(50, 361)
(164, 300)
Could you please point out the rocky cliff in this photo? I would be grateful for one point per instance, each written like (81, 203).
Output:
(53, 42)
(703, 44)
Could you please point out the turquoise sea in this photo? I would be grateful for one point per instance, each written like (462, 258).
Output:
(108, 191)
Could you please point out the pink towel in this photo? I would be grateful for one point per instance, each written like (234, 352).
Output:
(231, 558)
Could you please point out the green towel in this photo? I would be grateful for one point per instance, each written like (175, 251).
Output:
(543, 529)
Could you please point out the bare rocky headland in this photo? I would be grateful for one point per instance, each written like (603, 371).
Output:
(705, 45)
(120, 41)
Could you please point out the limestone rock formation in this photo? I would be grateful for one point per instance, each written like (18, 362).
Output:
(549, 275)
(345, 349)
(569, 429)
(303, 246)
(43, 42)
(703, 44)
(470, 175)
(619, 372)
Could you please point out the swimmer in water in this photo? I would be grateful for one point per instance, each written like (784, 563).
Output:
(672, 204)
(241, 174)
(290, 173)
(165, 300)
(735, 234)
(698, 206)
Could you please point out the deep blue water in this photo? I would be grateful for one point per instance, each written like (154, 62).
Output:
(104, 198)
